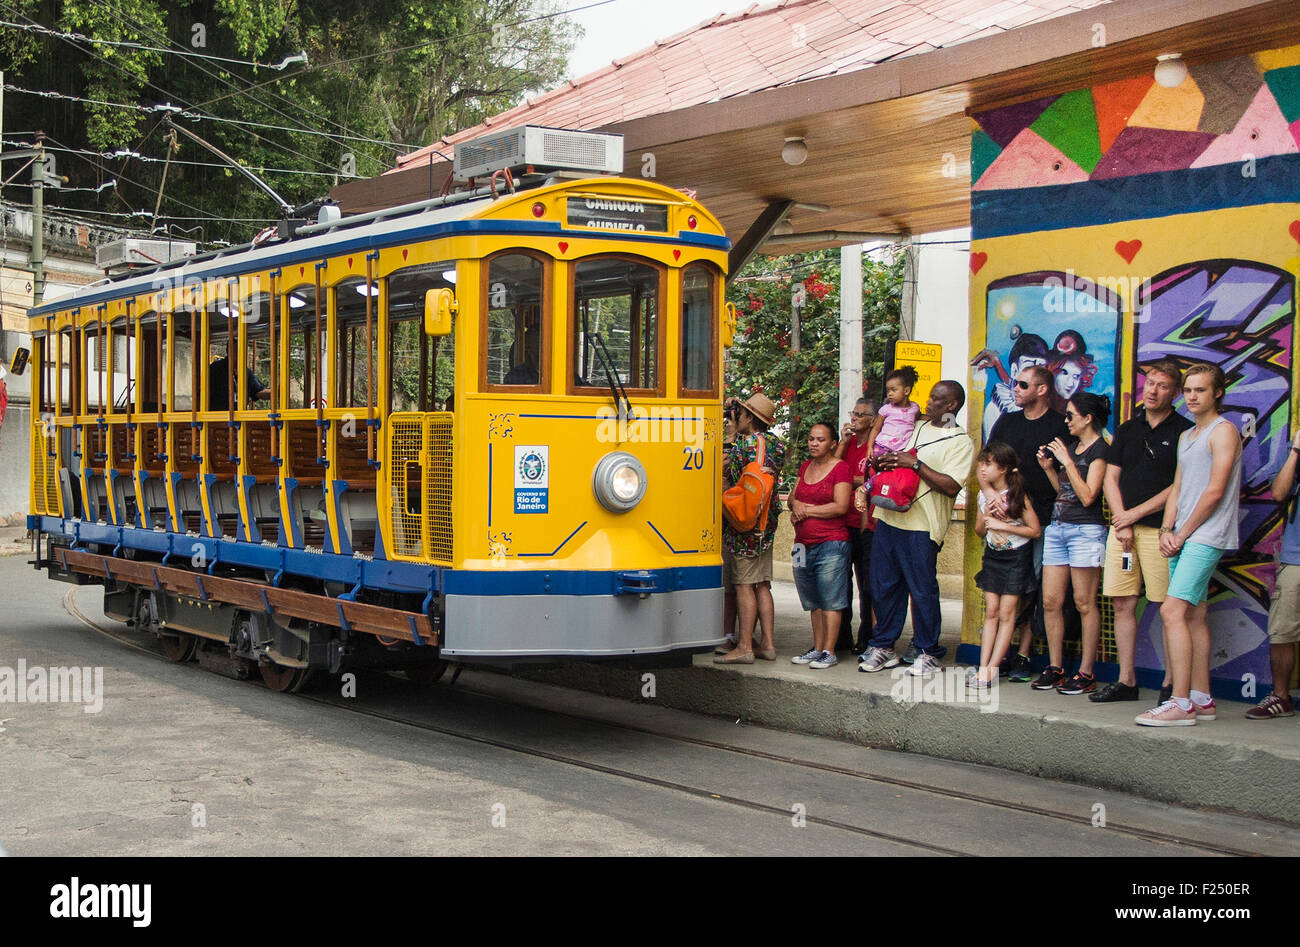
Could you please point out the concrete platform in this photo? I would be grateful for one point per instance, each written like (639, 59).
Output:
(1230, 764)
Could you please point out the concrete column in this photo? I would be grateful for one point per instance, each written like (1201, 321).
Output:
(850, 328)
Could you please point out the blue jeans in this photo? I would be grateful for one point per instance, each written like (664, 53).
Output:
(860, 554)
(905, 563)
(823, 579)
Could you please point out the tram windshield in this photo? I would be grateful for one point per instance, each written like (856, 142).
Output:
(616, 303)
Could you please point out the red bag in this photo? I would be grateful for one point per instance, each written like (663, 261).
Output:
(895, 489)
(747, 504)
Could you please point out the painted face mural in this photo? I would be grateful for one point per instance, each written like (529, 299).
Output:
(1238, 315)
(1080, 317)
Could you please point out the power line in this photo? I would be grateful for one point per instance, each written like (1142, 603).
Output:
(83, 38)
(159, 89)
(180, 49)
(144, 28)
(151, 159)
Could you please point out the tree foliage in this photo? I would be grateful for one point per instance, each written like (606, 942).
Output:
(805, 383)
(392, 74)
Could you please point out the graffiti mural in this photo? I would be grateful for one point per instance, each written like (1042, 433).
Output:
(1069, 324)
(1238, 315)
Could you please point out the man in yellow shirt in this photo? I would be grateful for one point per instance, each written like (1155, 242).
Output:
(905, 551)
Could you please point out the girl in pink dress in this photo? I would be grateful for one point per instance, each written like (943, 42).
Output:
(896, 418)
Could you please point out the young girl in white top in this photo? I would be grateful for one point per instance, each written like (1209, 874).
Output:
(1008, 571)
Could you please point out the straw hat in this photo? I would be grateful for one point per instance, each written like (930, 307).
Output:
(761, 407)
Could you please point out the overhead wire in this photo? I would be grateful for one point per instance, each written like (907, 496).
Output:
(166, 108)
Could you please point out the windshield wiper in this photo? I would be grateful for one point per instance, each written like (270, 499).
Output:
(616, 389)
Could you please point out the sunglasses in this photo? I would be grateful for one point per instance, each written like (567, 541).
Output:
(1023, 385)
(1070, 415)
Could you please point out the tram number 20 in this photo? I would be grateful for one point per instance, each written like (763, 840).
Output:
(694, 458)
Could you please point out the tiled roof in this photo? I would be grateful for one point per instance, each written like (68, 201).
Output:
(762, 47)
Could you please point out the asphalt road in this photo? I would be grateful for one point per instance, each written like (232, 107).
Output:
(184, 761)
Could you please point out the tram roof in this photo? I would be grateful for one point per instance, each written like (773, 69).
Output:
(881, 91)
(246, 258)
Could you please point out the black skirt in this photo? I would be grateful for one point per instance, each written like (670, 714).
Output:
(1008, 571)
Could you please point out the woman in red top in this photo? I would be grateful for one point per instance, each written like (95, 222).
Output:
(821, 542)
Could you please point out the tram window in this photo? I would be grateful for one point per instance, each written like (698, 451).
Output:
(419, 366)
(70, 375)
(353, 365)
(616, 305)
(698, 284)
(44, 356)
(126, 369)
(516, 321)
(301, 362)
(94, 360)
(181, 366)
(256, 313)
(147, 380)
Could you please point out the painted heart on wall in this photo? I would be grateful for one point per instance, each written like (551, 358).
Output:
(1128, 249)
(977, 261)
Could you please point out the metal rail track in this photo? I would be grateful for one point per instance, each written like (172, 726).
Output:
(1148, 835)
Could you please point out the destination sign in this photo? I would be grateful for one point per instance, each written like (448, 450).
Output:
(608, 213)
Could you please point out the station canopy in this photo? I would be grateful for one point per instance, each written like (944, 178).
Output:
(879, 91)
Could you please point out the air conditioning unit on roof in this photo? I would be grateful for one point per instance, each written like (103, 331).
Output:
(539, 149)
(136, 253)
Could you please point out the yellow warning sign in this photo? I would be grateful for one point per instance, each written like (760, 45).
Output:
(927, 359)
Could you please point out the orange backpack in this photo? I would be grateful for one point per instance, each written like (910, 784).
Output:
(747, 504)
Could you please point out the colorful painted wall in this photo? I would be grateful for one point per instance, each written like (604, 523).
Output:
(1126, 222)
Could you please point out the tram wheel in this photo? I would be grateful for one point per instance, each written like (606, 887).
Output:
(180, 648)
(285, 680)
(426, 675)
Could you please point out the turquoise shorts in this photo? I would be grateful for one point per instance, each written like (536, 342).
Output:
(1190, 571)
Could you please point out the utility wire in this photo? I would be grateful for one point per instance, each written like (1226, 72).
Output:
(83, 38)
(161, 91)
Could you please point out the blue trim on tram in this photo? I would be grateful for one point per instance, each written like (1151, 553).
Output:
(409, 577)
(295, 254)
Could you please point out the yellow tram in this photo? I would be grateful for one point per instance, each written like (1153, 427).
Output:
(485, 426)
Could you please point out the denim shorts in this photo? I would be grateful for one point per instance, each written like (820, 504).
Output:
(1078, 545)
(1190, 571)
(823, 579)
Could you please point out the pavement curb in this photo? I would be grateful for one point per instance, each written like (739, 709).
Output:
(1177, 766)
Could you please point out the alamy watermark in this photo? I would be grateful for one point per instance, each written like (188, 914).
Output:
(654, 425)
(949, 685)
(56, 685)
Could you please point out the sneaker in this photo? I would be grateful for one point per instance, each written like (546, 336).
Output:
(976, 683)
(1021, 669)
(1205, 711)
(808, 657)
(877, 659)
(923, 666)
(1168, 714)
(1114, 691)
(911, 654)
(1270, 707)
(1166, 692)
(1078, 684)
(826, 660)
(1050, 678)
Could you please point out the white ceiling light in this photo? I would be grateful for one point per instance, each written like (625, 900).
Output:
(449, 275)
(794, 152)
(1170, 70)
(361, 289)
(297, 302)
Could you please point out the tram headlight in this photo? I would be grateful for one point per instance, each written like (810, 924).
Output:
(619, 481)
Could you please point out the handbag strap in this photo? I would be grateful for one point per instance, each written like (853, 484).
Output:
(761, 459)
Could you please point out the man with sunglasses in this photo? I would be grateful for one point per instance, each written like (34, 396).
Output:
(1027, 430)
(1142, 461)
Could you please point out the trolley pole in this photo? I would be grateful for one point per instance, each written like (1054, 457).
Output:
(850, 328)
(37, 256)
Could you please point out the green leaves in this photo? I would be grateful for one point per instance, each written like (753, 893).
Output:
(805, 382)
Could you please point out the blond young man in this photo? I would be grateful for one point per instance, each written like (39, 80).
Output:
(1141, 463)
